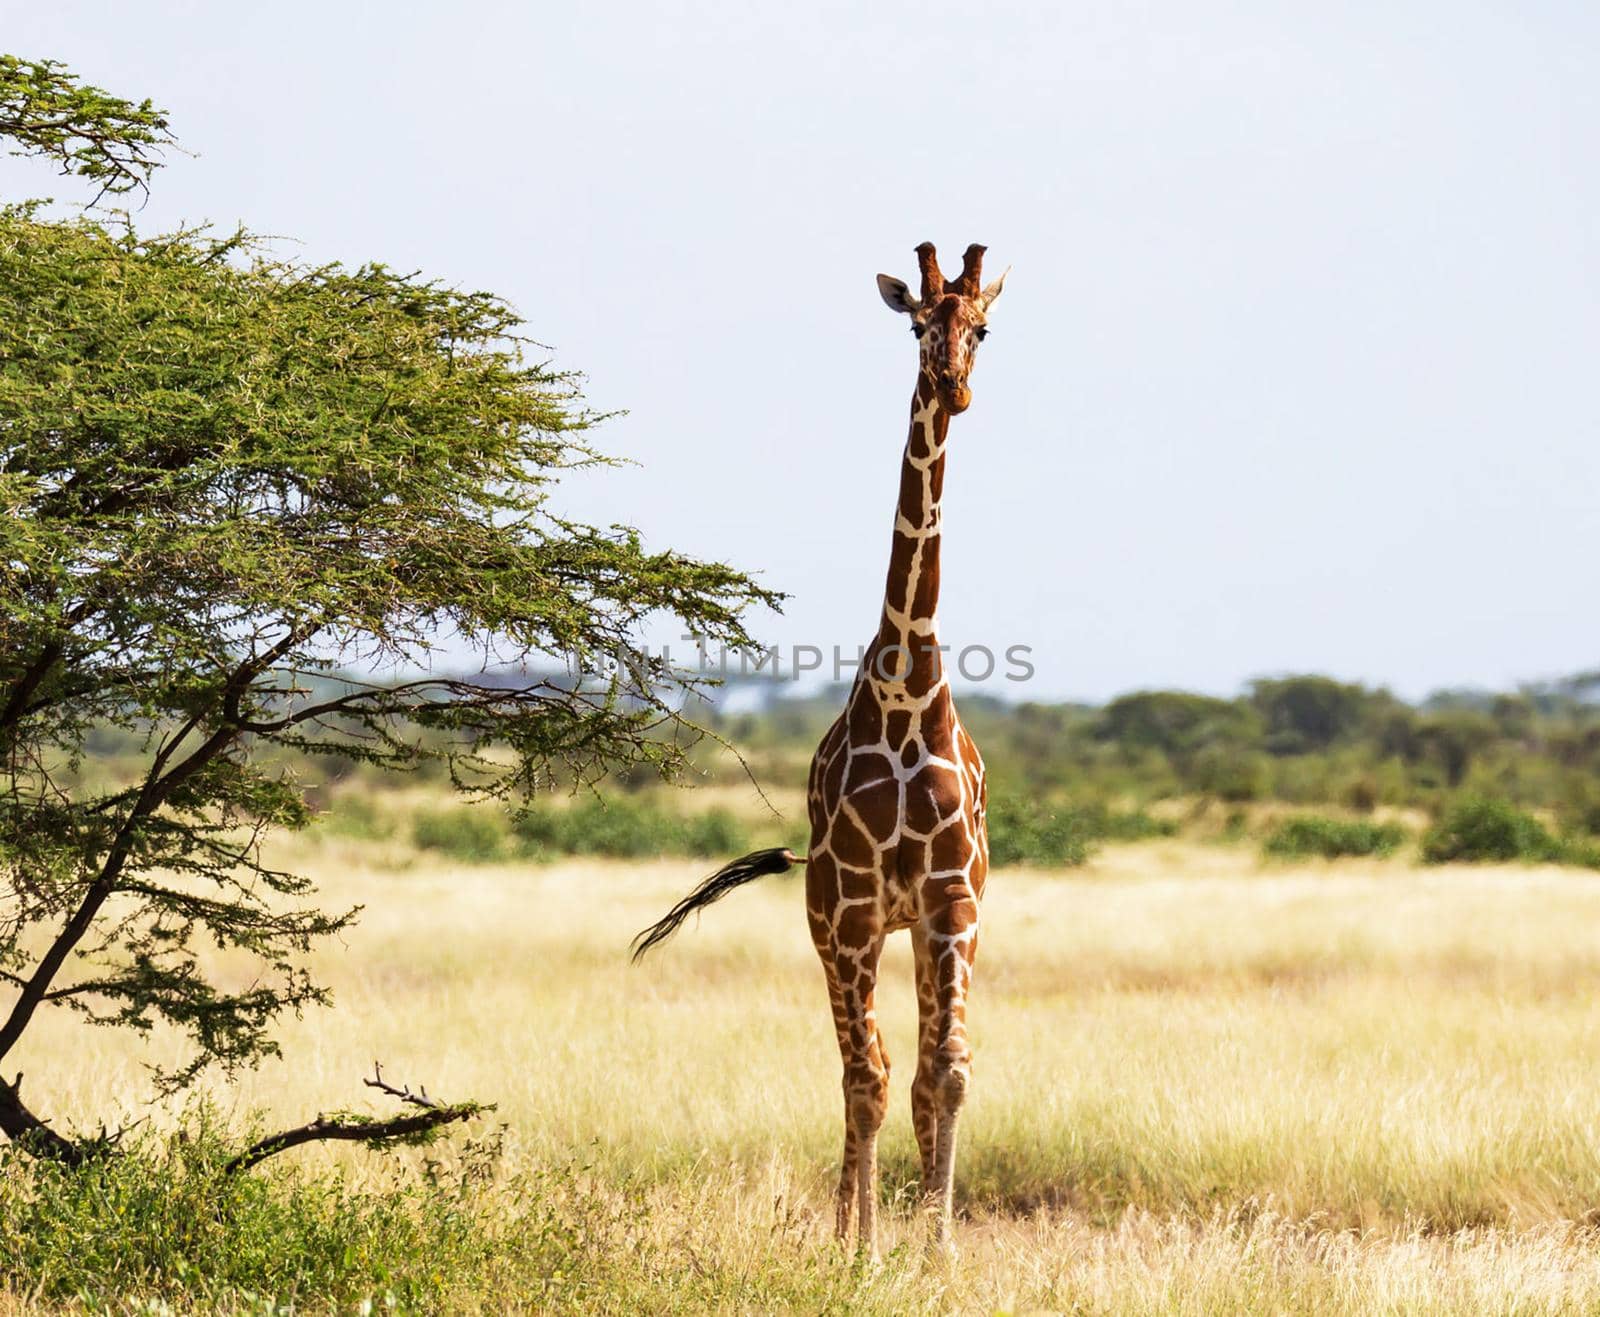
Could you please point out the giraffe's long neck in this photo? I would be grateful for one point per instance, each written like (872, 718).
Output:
(911, 597)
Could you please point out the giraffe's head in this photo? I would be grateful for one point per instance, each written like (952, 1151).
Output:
(950, 319)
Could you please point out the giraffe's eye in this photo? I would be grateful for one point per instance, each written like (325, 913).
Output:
(982, 331)
(918, 330)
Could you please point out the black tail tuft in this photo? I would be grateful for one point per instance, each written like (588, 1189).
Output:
(736, 873)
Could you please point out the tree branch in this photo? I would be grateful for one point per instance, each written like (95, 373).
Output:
(158, 786)
(28, 1131)
(27, 682)
(343, 1127)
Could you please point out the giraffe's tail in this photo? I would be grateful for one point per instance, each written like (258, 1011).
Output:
(736, 873)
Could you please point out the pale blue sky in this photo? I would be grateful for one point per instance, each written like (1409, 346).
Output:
(1296, 368)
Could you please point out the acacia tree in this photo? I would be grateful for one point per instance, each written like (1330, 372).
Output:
(229, 480)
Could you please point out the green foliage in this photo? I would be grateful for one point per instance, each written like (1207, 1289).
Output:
(1021, 831)
(715, 832)
(619, 827)
(164, 1223)
(1482, 828)
(1315, 834)
(164, 1231)
(476, 835)
(1478, 828)
(1303, 740)
(46, 111)
(1106, 824)
(626, 828)
(630, 827)
(357, 816)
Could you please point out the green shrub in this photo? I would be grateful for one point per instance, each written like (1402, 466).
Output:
(1315, 834)
(622, 827)
(474, 833)
(539, 833)
(1482, 828)
(1022, 831)
(357, 816)
(626, 827)
(716, 832)
(1124, 825)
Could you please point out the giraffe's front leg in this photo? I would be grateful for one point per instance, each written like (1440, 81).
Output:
(849, 953)
(950, 923)
(866, 1081)
(845, 1198)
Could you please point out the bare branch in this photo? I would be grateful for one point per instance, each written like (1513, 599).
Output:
(403, 1094)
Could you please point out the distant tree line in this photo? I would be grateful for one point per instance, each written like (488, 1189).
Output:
(1296, 738)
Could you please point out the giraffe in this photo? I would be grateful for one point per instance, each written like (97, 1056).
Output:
(896, 799)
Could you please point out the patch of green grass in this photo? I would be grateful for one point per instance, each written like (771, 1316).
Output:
(1315, 834)
(161, 1228)
(162, 1221)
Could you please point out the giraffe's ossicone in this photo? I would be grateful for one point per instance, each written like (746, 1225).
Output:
(896, 796)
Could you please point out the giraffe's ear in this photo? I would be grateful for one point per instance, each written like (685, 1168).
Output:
(896, 296)
(991, 294)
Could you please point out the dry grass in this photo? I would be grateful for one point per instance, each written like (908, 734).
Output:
(1200, 1085)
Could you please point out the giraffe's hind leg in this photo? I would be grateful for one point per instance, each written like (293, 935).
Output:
(924, 1087)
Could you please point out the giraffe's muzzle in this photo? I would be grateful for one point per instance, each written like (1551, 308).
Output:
(954, 395)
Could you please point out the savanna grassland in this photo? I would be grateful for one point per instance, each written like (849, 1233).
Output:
(1204, 1082)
